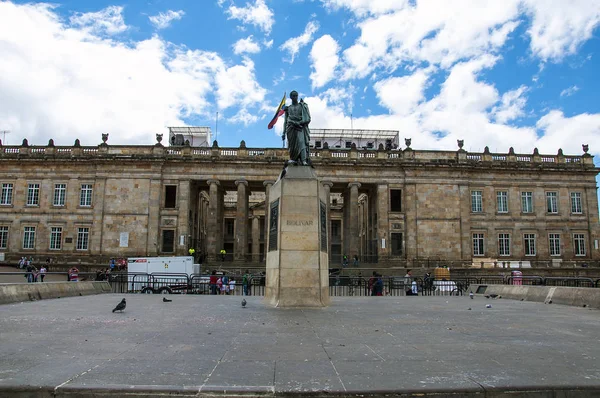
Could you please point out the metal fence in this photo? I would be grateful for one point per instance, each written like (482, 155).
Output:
(339, 285)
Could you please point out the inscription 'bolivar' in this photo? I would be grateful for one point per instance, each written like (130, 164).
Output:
(299, 222)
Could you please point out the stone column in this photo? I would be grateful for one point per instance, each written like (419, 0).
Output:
(154, 238)
(214, 222)
(327, 188)
(352, 242)
(255, 239)
(183, 222)
(267, 185)
(240, 243)
(383, 209)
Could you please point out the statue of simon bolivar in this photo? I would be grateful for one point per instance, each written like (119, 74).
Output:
(295, 128)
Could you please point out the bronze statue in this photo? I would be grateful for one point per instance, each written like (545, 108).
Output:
(295, 127)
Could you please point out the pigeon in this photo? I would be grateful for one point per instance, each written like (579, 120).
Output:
(243, 303)
(166, 300)
(493, 296)
(471, 295)
(487, 296)
(120, 306)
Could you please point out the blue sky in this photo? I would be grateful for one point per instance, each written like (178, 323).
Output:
(520, 73)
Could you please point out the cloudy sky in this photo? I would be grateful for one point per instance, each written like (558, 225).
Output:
(520, 73)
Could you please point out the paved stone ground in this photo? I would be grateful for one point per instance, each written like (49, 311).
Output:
(200, 345)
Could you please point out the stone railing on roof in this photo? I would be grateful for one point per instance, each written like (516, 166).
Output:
(324, 155)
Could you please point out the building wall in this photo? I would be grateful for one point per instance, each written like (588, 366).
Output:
(436, 219)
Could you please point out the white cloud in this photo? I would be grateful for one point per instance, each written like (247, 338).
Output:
(257, 14)
(439, 33)
(559, 27)
(402, 94)
(511, 106)
(268, 43)
(109, 20)
(237, 85)
(324, 59)
(567, 92)
(164, 19)
(64, 83)
(364, 7)
(294, 44)
(247, 45)
(568, 133)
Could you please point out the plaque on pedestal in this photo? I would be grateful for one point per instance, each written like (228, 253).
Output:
(297, 258)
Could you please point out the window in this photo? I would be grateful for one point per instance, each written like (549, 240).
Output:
(317, 144)
(336, 226)
(554, 244)
(576, 203)
(7, 192)
(348, 144)
(85, 199)
(478, 245)
(60, 194)
(579, 244)
(170, 196)
(395, 200)
(33, 195)
(29, 238)
(552, 202)
(55, 238)
(476, 202)
(3, 237)
(529, 241)
(168, 241)
(396, 244)
(527, 202)
(83, 238)
(503, 244)
(229, 227)
(502, 200)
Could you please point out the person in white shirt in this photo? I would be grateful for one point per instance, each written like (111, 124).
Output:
(232, 286)
(42, 273)
(414, 287)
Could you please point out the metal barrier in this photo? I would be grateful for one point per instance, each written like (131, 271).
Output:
(569, 282)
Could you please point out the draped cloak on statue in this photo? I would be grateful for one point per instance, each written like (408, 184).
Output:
(298, 133)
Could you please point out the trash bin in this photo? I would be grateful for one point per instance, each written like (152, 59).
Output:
(517, 277)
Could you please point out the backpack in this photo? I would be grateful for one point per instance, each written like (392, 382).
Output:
(225, 279)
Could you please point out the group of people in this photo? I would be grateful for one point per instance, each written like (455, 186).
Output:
(224, 284)
(345, 261)
(33, 274)
(103, 275)
(221, 284)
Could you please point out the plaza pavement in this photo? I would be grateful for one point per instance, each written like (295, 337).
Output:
(380, 346)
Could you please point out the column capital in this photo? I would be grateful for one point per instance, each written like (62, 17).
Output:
(327, 184)
(212, 181)
(238, 182)
(354, 184)
(268, 183)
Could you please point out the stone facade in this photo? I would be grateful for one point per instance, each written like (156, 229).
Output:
(389, 207)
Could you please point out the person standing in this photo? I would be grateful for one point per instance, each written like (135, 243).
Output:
(408, 282)
(74, 274)
(42, 273)
(29, 273)
(246, 280)
(355, 261)
(212, 282)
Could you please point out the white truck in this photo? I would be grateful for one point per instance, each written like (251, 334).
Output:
(162, 275)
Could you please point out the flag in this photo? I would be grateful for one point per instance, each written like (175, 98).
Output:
(280, 110)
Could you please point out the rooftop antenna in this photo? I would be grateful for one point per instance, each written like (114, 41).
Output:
(4, 132)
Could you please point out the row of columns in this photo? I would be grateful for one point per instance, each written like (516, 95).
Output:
(215, 215)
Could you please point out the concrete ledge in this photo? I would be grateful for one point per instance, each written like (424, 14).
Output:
(574, 296)
(17, 292)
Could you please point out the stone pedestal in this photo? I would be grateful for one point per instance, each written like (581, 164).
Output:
(297, 258)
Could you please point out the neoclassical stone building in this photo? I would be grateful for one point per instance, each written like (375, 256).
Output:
(389, 207)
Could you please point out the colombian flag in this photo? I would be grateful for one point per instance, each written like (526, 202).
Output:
(280, 110)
